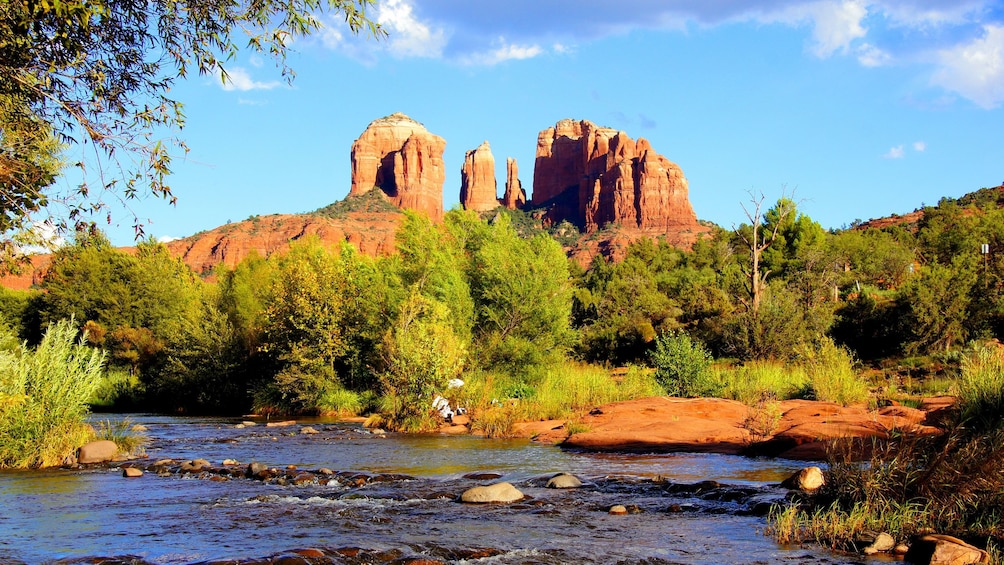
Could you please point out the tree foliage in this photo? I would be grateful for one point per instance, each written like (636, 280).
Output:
(97, 74)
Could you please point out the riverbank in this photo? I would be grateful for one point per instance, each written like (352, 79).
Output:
(790, 429)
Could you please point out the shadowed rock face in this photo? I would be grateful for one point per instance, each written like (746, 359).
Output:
(593, 176)
(478, 188)
(400, 157)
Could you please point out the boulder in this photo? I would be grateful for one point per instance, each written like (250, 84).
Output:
(498, 492)
(478, 187)
(618, 510)
(809, 479)
(882, 543)
(256, 470)
(564, 480)
(100, 451)
(308, 430)
(399, 156)
(132, 472)
(195, 466)
(515, 196)
(937, 549)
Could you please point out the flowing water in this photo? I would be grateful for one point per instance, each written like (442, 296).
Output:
(393, 497)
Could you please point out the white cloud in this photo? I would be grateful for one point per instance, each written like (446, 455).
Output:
(871, 56)
(237, 78)
(329, 35)
(504, 52)
(407, 36)
(975, 69)
(167, 239)
(837, 24)
(895, 153)
(919, 146)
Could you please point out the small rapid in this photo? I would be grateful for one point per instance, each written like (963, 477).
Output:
(391, 498)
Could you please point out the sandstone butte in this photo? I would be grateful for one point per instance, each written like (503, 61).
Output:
(399, 156)
(595, 176)
(478, 188)
(590, 176)
(711, 425)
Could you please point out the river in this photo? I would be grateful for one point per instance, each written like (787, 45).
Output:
(401, 504)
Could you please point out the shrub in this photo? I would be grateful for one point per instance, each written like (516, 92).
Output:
(43, 398)
(682, 364)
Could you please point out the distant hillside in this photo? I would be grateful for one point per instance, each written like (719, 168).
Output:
(993, 196)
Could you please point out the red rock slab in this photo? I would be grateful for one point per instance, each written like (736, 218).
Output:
(665, 424)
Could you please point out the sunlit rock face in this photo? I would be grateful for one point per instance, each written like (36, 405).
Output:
(515, 196)
(478, 188)
(593, 176)
(399, 156)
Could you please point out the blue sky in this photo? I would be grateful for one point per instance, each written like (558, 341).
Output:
(861, 108)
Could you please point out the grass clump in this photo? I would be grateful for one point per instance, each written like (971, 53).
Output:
(122, 432)
(43, 398)
(829, 370)
(951, 483)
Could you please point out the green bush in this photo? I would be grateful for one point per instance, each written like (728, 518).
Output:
(43, 398)
(682, 364)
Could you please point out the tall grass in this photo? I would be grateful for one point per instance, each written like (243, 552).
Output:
(830, 375)
(43, 398)
(753, 381)
(555, 392)
(951, 483)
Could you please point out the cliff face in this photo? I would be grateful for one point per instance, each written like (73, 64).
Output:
(478, 188)
(593, 176)
(400, 157)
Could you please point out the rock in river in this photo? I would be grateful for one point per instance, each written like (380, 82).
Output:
(498, 492)
(98, 452)
(564, 480)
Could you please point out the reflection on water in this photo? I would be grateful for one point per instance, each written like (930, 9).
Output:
(174, 519)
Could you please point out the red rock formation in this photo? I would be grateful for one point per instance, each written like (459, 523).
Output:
(478, 188)
(593, 176)
(515, 196)
(399, 156)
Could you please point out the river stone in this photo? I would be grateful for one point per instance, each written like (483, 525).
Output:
(100, 451)
(883, 542)
(230, 462)
(281, 424)
(808, 479)
(564, 480)
(937, 549)
(255, 469)
(131, 472)
(498, 492)
(618, 510)
(194, 466)
(306, 430)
